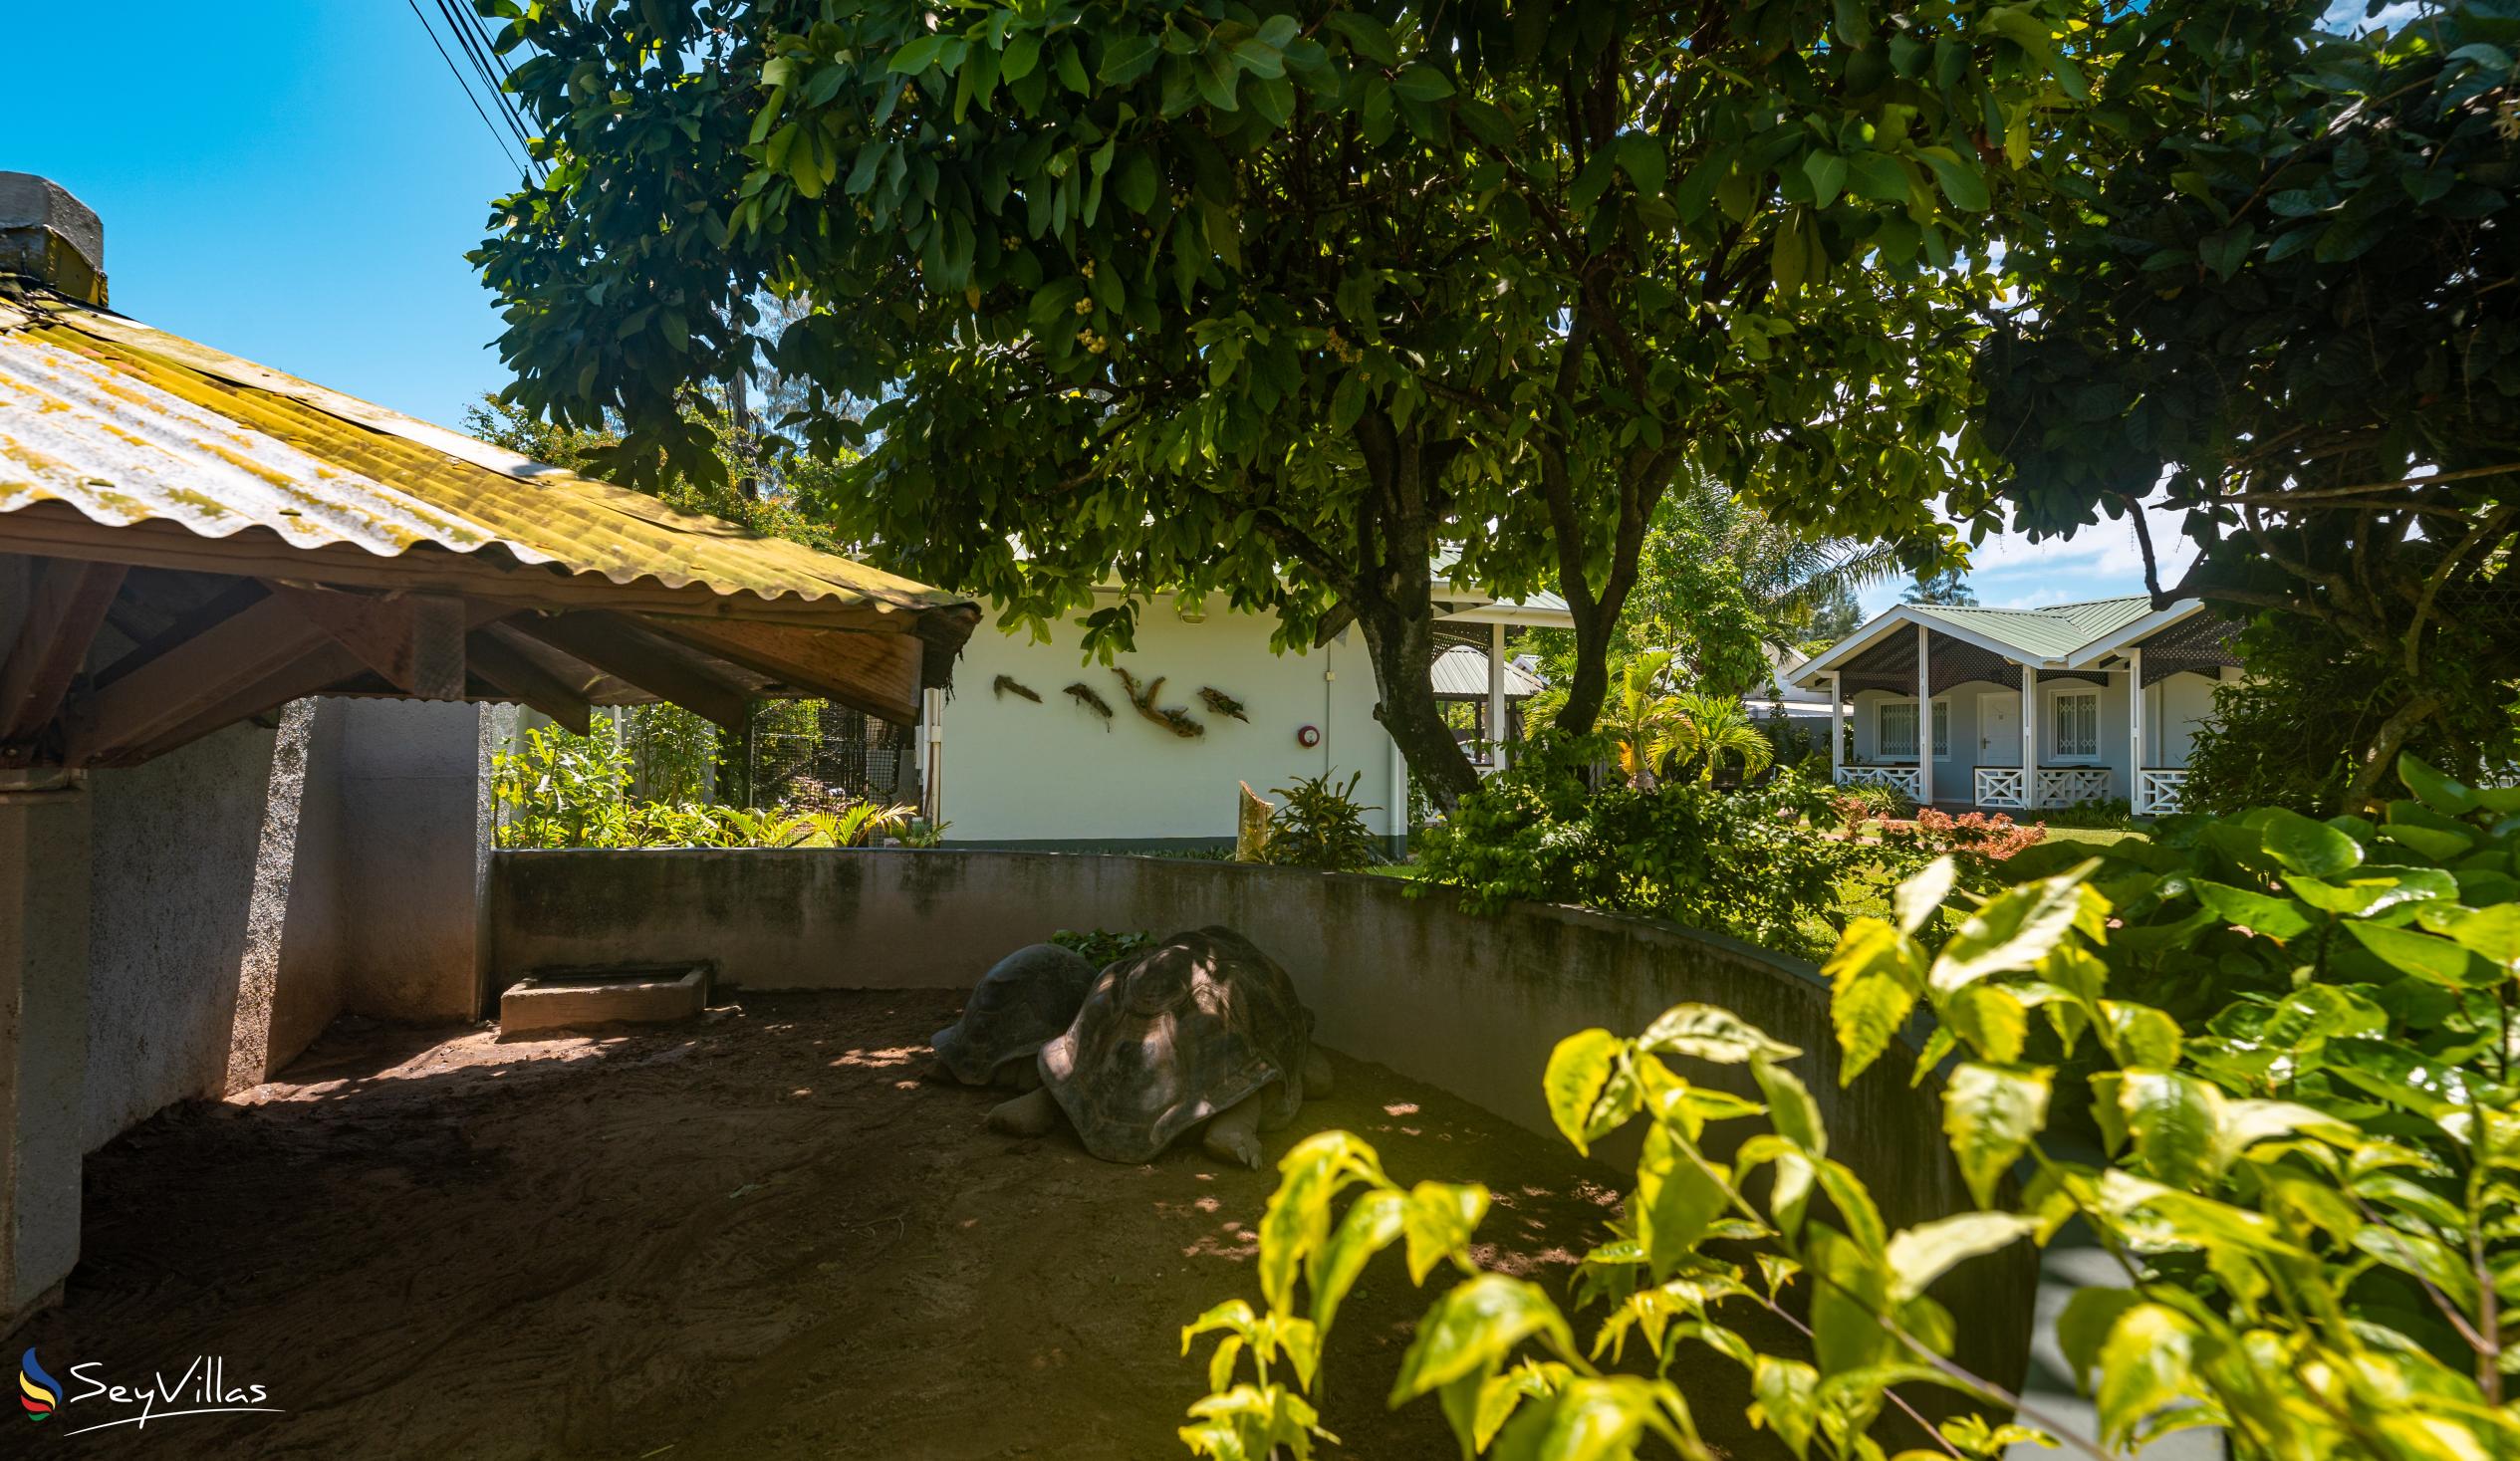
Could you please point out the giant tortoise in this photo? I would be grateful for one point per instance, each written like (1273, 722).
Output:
(1202, 1027)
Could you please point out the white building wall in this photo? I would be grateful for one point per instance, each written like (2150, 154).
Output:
(1017, 772)
(2173, 710)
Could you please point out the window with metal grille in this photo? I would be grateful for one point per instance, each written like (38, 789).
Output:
(2076, 716)
(1896, 728)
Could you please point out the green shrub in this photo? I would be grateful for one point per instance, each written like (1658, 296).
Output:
(2310, 1179)
(1871, 802)
(1102, 948)
(1761, 864)
(558, 790)
(2113, 813)
(1318, 825)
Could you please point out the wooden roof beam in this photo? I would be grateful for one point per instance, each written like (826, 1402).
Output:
(618, 646)
(174, 688)
(874, 673)
(328, 664)
(512, 672)
(65, 608)
(416, 640)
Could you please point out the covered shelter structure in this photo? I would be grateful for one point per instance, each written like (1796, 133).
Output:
(2031, 708)
(1478, 677)
(199, 864)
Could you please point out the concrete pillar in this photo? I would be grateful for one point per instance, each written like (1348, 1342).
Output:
(416, 820)
(1837, 726)
(1496, 723)
(44, 910)
(1925, 716)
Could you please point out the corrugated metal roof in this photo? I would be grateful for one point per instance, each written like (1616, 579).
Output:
(130, 425)
(2050, 633)
(1461, 673)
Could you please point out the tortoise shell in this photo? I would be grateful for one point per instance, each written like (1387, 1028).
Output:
(1025, 999)
(1173, 1035)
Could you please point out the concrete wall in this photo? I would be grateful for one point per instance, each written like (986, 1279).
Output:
(1471, 1005)
(415, 812)
(1016, 772)
(44, 919)
(178, 843)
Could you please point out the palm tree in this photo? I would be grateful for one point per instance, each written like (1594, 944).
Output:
(1791, 579)
(1708, 728)
(1640, 716)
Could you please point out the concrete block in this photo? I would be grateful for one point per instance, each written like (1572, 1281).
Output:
(51, 236)
(564, 999)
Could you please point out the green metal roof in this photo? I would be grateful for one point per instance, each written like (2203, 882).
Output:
(2050, 633)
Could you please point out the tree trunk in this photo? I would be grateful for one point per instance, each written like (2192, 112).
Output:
(1392, 597)
(1589, 689)
(2381, 756)
(1403, 648)
(1642, 480)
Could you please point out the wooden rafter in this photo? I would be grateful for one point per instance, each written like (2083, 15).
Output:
(175, 620)
(496, 661)
(318, 669)
(67, 606)
(618, 647)
(415, 640)
(172, 689)
(874, 673)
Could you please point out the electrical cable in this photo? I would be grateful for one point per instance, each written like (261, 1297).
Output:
(496, 136)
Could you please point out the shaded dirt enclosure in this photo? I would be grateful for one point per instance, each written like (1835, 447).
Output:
(765, 1234)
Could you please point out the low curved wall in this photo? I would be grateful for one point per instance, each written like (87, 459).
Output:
(1469, 1004)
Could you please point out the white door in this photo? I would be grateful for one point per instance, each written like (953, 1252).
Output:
(1999, 730)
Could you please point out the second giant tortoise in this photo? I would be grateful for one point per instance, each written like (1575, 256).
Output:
(1023, 1002)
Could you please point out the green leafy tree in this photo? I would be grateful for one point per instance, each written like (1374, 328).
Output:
(2287, 308)
(2297, 1043)
(1276, 303)
(1722, 586)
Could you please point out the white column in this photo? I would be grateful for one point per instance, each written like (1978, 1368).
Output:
(932, 766)
(2134, 727)
(2029, 736)
(1837, 726)
(1925, 716)
(1496, 695)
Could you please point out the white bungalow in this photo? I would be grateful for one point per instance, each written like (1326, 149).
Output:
(2031, 707)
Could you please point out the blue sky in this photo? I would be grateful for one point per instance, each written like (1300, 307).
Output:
(299, 183)
(295, 182)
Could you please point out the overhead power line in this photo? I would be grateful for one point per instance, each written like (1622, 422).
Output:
(452, 70)
(475, 44)
(467, 38)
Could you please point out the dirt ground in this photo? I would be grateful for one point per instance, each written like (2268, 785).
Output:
(764, 1235)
